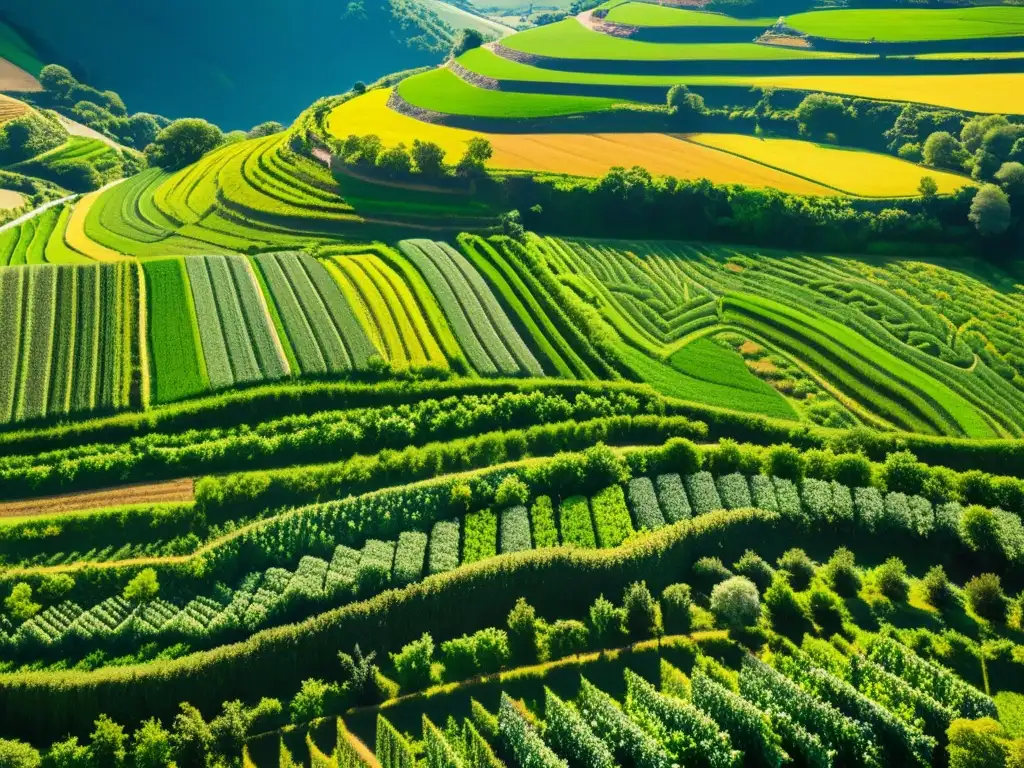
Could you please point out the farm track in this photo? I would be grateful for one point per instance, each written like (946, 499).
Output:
(146, 493)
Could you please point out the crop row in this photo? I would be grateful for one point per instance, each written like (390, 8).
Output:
(801, 706)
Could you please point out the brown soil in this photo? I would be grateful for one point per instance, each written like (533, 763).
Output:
(750, 348)
(14, 78)
(10, 199)
(152, 493)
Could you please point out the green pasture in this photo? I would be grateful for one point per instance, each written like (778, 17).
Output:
(893, 25)
(569, 39)
(16, 50)
(443, 91)
(648, 15)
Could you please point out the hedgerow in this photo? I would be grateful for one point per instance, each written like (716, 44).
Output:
(571, 736)
(627, 741)
(749, 729)
(520, 739)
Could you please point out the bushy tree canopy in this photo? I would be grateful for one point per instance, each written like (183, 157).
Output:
(183, 142)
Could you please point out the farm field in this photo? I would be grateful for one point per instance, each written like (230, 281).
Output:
(569, 39)
(905, 24)
(584, 155)
(647, 15)
(499, 415)
(856, 173)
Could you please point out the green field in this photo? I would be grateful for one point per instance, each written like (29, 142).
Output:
(892, 25)
(569, 39)
(649, 15)
(16, 50)
(443, 91)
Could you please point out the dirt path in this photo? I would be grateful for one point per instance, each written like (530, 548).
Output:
(16, 79)
(85, 132)
(9, 199)
(35, 212)
(151, 493)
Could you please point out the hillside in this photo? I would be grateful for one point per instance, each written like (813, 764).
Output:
(642, 389)
(320, 48)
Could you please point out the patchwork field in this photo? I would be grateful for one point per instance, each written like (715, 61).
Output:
(512, 416)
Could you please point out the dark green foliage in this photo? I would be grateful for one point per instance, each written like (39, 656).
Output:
(542, 515)
(937, 587)
(522, 633)
(607, 623)
(840, 572)
(566, 637)
(676, 602)
(709, 571)
(891, 579)
(183, 142)
(641, 611)
(754, 568)
(799, 566)
(985, 597)
(412, 663)
(644, 503)
(672, 498)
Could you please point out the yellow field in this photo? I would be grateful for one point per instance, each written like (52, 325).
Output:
(10, 199)
(999, 93)
(75, 234)
(864, 174)
(578, 154)
(11, 108)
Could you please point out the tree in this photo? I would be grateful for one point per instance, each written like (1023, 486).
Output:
(990, 210)
(986, 598)
(684, 104)
(18, 754)
(143, 587)
(360, 674)
(1011, 178)
(928, 187)
(822, 114)
(151, 745)
(676, 602)
(183, 142)
(512, 225)
(138, 131)
(311, 700)
(107, 743)
(68, 754)
(359, 87)
(735, 603)
(478, 152)
(641, 611)
(113, 103)
(191, 738)
(942, 150)
(412, 663)
(429, 158)
(976, 744)
(523, 642)
(395, 161)
(19, 603)
(268, 128)
(466, 40)
(57, 80)
(973, 133)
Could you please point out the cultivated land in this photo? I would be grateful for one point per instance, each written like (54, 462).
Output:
(296, 438)
(904, 24)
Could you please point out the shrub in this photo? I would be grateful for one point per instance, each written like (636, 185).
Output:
(607, 623)
(902, 472)
(985, 597)
(19, 603)
(816, 496)
(891, 579)
(412, 663)
(444, 547)
(763, 493)
(311, 700)
(852, 470)
(735, 603)
(937, 587)
(566, 637)
(976, 744)
(409, 557)
(788, 499)
(840, 573)
(784, 610)
(641, 611)
(542, 514)
(183, 142)
(827, 609)
(18, 754)
(709, 571)
(492, 649)
(676, 602)
(752, 566)
(784, 461)
(742, 720)
(644, 503)
(523, 642)
(459, 658)
(511, 491)
(799, 567)
(672, 497)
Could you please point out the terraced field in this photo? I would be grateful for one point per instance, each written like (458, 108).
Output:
(904, 24)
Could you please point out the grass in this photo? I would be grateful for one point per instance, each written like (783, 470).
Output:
(911, 24)
(649, 15)
(569, 39)
(174, 335)
(991, 93)
(856, 172)
(443, 91)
